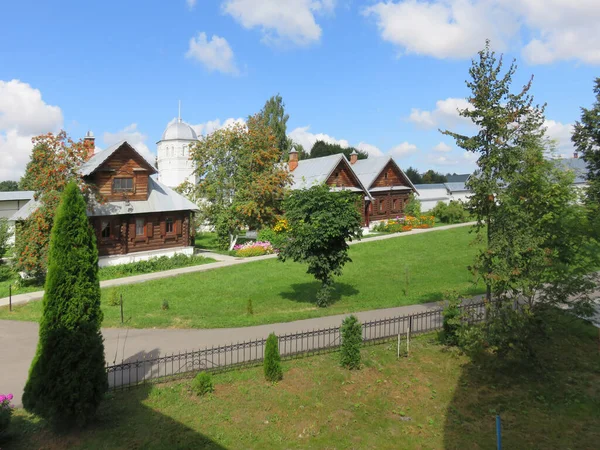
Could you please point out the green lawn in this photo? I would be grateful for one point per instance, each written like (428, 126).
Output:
(394, 272)
(434, 399)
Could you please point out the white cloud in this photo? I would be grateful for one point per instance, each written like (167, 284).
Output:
(281, 20)
(442, 147)
(403, 149)
(444, 114)
(191, 4)
(215, 54)
(443, 29)
(302, 136)
(370, 149)
(561, 134)
(550, 30)
(23, 114)
(214, 125)
(134, 137)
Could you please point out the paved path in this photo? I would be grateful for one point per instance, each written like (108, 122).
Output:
(222, 261)
(19, 340)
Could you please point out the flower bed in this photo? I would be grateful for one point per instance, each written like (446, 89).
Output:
(398, 225)
(6, 410)
(251, 248)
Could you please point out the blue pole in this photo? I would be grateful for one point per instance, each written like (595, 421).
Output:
(498, 433)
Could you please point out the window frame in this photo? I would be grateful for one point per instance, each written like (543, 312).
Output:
(122, 190)
(103, 229)
(139, 220)
(169, 221)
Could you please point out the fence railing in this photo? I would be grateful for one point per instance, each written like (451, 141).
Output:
(138, 370)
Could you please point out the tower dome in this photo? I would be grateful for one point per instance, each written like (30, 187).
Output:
(173, 154)
(179, 130)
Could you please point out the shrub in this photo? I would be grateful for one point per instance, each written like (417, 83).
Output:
(251, 248)
(5, 234)
(413, 208)
(272, 362)
(452, 320)
(6, 410)
(407, 223)
(249, 308)
(351, 343)
(453, 212)
(67, 379)
(165, 305)
(155, 264)
(202, 384)
(113, 299)
(276, 238)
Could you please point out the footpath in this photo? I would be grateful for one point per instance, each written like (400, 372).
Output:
(221, 261)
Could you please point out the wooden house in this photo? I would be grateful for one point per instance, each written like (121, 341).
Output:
(382, 186)
(137, 217)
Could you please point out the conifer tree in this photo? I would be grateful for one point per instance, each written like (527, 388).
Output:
(67, 378)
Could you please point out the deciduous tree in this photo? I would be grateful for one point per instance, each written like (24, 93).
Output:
(6, 186)
(67, 379)
(274, 115)
(321, 223)
(241, 178)
(322, 148)
(55, 160)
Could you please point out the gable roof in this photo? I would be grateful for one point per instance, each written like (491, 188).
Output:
(314, 171)
(94, 163)
(160, 199)
(369, 169)
(458, 178)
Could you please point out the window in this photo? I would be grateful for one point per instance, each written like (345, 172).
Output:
(123, 185)
(139, 227)
(169, 225)
(395, 204)
(105, 227)
(385, 176)
(381, 206)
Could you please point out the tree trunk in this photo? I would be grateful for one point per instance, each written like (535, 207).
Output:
(232, 241)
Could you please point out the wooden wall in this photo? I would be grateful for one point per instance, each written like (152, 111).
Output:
(124, 163)
(388, 205)
(123, 239)
(342, 177)
(390, 176)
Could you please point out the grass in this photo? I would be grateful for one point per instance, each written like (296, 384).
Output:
(434, 399)
(394, 272)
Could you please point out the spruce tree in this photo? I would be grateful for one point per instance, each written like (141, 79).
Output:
(67, 378)
(272, 362)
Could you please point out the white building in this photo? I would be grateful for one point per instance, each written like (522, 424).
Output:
(173, 154)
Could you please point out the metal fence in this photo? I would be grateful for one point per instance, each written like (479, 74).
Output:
(136, 371)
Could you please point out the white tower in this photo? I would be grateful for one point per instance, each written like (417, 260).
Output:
(173, 155)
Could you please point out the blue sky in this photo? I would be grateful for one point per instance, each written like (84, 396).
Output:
(379, 75)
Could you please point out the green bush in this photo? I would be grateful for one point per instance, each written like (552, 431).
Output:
(249, 308)
(165, 305)
(454, 212)
(277, 240)
(202, 384)
(67, 378)
(272, 362)
(413, 208)
(6, 410)
(351, 343)
(156, 264)
(452, 320)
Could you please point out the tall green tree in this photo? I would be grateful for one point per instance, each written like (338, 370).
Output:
(241, 178)
(273, 113)
(413, 175)
(67, 379)
(8, 185)
(321, 223)
(505, 122)
(322, 148)
(586, 138)
(432, 177)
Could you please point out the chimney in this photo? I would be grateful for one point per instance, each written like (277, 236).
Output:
(89, 142)
(353, 157)
(293, 160)
(575, 155)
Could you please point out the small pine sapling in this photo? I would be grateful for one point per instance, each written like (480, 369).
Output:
(351, 343)
(202, 384)
(272, 362)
